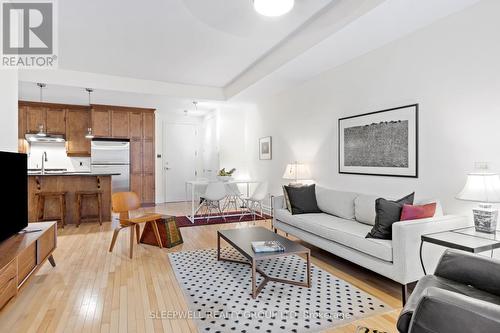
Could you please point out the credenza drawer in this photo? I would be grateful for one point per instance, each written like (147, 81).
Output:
(8, 282)
(26, 263)
(47, 243)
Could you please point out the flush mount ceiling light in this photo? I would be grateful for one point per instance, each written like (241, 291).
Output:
(273, 8)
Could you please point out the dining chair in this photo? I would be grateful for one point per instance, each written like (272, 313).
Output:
(211, 199)
(123, 203)
(234, 197)
(255, 201)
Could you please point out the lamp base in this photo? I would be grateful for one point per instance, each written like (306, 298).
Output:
(485, 218)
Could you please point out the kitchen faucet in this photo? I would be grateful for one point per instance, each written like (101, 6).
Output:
(44, 159)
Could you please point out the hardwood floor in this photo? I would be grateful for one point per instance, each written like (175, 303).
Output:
(92, 290)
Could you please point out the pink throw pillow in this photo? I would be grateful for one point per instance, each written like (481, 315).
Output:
(410, 212)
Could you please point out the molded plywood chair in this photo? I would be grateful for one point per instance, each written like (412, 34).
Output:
(123, 203)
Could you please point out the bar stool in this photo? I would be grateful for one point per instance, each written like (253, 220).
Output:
(80, 196)
(40, 206)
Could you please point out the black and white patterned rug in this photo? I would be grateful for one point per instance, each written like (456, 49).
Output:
(218, 294)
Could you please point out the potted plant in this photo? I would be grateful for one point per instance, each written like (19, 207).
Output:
(224, 175)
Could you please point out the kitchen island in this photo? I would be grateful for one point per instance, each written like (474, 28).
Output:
(70, 182)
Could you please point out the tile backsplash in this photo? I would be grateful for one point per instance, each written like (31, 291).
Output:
(57, 158)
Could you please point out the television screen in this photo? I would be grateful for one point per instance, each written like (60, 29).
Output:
(14, 196)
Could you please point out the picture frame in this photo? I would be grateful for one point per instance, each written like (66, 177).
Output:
(266, 148)
(380, 143)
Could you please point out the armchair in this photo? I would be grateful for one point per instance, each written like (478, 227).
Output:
(463, 295)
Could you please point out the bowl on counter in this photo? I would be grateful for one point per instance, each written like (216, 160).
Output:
(225, 178)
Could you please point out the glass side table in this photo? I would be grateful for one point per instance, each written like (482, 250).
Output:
(465, 239)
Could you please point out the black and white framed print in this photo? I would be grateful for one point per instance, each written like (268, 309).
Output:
(265, 148)
(381, 143)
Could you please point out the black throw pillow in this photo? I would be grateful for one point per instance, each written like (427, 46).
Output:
(302, 199)
(388, 212)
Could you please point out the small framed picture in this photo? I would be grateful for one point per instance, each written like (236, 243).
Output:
(265, 148)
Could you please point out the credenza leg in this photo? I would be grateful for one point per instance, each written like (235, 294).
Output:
(52, 261)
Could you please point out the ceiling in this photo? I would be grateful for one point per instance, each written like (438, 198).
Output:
(196, 42)
(221, 50)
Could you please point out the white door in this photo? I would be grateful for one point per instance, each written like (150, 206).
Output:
(179, 162)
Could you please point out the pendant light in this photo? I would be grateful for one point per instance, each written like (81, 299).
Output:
(273, 8)
(41, 129)
(89, 134)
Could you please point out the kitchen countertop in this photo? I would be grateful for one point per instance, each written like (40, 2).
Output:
(65, 174)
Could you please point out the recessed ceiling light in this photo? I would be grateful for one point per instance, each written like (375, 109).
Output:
(273, 8)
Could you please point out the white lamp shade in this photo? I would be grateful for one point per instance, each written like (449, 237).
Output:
(297, 171)
(481, 187)
(273, 8)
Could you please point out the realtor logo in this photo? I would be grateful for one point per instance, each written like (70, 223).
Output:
(28, 34)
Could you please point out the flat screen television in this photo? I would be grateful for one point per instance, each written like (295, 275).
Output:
(14, 194)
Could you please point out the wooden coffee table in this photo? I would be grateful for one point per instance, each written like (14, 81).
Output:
(241, 240)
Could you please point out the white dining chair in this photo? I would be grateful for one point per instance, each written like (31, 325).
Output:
(254, 202)
(211, 199)
(234, 197)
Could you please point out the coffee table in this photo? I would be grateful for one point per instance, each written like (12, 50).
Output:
(241, 240)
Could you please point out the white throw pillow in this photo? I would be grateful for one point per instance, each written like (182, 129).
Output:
(337, 203)
(439, 207)
(364, 208)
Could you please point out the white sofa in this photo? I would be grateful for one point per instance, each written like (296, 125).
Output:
(345, 220)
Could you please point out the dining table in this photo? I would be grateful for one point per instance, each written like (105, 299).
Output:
(191, 186)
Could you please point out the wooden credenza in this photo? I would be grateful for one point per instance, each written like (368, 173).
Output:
(22, 255)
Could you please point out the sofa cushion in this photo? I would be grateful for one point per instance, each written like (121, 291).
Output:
(338, 203)
(388, 212)
(303, 199)
(364, 208)
(346, 232)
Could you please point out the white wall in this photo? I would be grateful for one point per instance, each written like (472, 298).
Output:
(8, 109)
(451, 68)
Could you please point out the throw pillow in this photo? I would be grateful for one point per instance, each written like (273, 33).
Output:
(387, 212)
(287, 200)
(410, 212)
(302, 199)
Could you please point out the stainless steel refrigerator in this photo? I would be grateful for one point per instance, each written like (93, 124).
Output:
(112, 156)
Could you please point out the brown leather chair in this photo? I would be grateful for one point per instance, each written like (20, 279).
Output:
(123, 203)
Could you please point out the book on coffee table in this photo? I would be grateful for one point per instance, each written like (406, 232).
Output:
(267, 246)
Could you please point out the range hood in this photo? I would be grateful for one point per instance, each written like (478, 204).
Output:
(44, 139)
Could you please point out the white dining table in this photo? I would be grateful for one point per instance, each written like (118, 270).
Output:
(192, 184)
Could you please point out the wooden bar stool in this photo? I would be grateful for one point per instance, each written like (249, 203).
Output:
(80, 196)
(40, 198)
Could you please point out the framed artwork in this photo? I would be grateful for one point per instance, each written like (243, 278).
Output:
(381, 143)
(265, 148)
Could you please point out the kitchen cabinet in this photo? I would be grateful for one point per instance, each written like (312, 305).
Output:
(35, 117)
(101, 122)
(119, 124)
(136, 156)
(148, 125)
(136, 184)
(148, 189)
(55, 121)
(148, 159)
(135, 125)
(76, 127)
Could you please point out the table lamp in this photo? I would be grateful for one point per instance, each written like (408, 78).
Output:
(485, 189)
(295, 172)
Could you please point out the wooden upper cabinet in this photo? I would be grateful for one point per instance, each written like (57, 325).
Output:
(101, 122)
(148, 124)
(35, 117)
(119, 124)
(77, 122)
(135, 125)
(56, 121)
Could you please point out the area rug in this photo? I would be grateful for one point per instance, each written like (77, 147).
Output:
(183, 221)
(218, 294)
